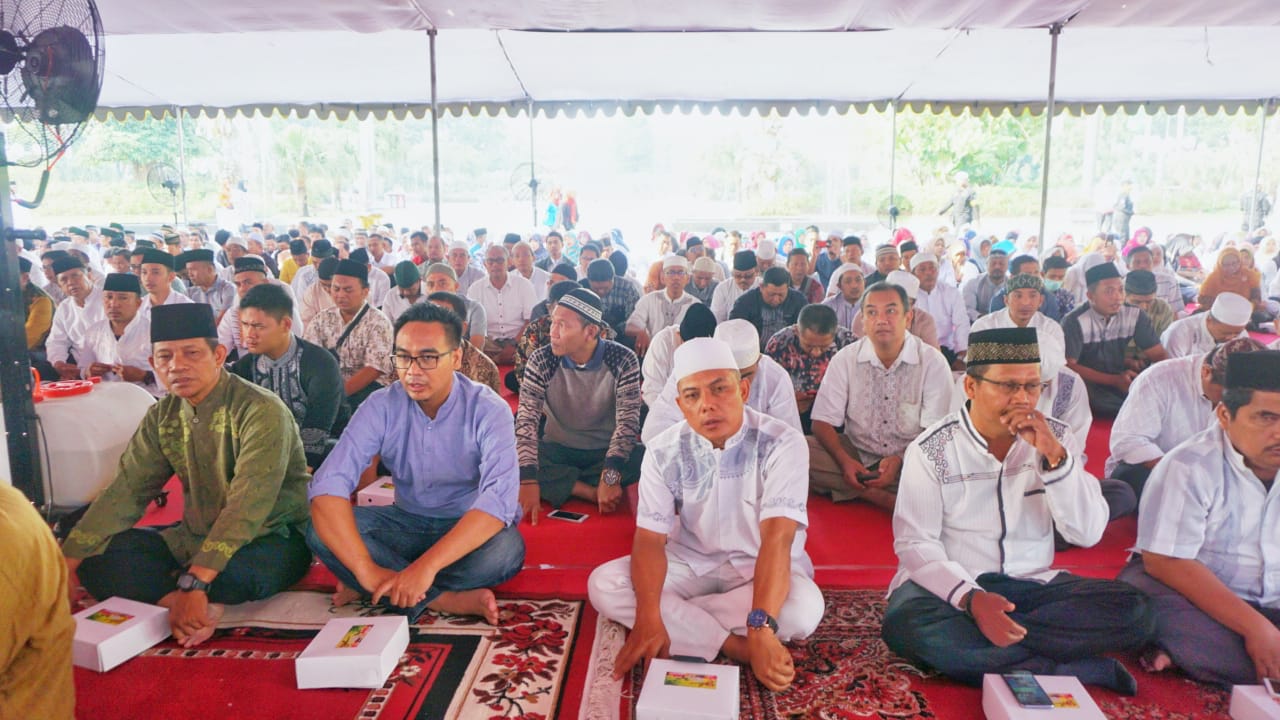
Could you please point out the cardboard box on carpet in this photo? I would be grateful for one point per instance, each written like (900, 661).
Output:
(381, 492)
(115, 630)
(1252, 702)
(688, 691)
(1070, 701)
(353, 653)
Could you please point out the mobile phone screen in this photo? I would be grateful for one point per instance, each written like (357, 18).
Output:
(1273, 686)
(567, 515)
(1027, 691)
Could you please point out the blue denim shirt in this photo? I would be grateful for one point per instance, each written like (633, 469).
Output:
(463, 460)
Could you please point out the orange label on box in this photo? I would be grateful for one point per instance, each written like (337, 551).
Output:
(109, 617)
(1064, 700)
(690, 680)
(354, 636)
(388, 486)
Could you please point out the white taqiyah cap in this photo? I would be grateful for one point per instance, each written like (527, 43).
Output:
(834, 285)
(238, 241)
(743, 339)
(1231, 309)
(921, 258)
(673, 260)
(699, 354)
(905, 280)
(704, 264)
(459, 245)
(766, 250)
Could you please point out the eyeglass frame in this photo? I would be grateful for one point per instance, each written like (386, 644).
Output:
(419, 360)
(1011, 388)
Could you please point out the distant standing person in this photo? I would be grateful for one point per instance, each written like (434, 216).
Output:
(963, 204)
(1256, 207)
(569, 211)
(1122, 211)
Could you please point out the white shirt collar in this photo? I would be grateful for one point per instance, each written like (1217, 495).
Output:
(910, 353)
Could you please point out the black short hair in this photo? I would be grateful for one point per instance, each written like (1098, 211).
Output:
(776, 276)
(1015, 265)
(1235, 398)
(454, 301)
(798, 251)
(883, 286)
(429, 313)
(221, 237)
(419, 234)
(851, 240)
(270, 299)
(1055, 262)
(817, 318)
(1136, 249)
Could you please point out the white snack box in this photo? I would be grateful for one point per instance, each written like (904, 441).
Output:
(998, 702)
(353, 653)
(1251, 702)
(707, 692)
(381, 492)
(115, 630)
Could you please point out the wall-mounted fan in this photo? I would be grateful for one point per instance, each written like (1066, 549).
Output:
(894, 211)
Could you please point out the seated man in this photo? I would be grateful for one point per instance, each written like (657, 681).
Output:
(1023, 300)
(250, 272)
(39, 318)
(206, 286)
(979, 291)
(803, 280)
(1142, 257)
(770, 306)
(660, 308)
(735, 579)
(702, 280)
(1167, 405)
(845, 294)
(1026, 264)
(942, 302)
(1207, 532)
(536, 334)
(450, 445)
(35, 648)
(317, 295)
(406, 290)
(474, 364)
(508, 301)
(1140, 292)
(770, 385)
(804, 350)
(1097, 333)
(745, 277)
(982, 491)
(439, 277)
(157, 277)
(1200, 333)
(356, 333)
(697, 321)
(578, 422)
(618, 297)
(118, 347)
(304, 375)
(919, 322)
(884, 389)
(887, 260)
(81, 308)
(244, 483)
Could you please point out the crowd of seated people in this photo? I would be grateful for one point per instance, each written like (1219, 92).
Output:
(952, 384)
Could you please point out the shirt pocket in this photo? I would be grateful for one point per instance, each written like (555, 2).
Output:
(909, 418)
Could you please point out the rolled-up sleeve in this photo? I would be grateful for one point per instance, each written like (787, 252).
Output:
(361, 440)
(499, 493)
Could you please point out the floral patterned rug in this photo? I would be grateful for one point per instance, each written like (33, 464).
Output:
(844, 670)
(454, 668)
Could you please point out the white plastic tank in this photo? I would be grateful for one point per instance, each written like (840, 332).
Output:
(85, 435)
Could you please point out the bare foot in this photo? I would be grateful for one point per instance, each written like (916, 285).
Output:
(735, 648)
(211, 624)
(480, 603)
(344, 595)
(1155, 660)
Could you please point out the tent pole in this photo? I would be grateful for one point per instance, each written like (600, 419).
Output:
(1054, 31)
(182, 164)
(1257, 172)
(435, 135)
(533, 176)
(893, 158)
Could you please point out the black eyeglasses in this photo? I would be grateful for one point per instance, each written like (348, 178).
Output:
(425, 361)
(1011, 388)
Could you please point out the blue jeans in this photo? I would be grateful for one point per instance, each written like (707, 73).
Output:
(395, 538)
(1068, 618)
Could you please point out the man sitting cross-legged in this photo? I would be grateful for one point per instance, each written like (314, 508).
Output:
(237, 451)
(1207, 536)
(718, 562)
(981, 492)
(450, 445)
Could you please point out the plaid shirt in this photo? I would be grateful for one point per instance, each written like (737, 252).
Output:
(618, 305)
(806, 371)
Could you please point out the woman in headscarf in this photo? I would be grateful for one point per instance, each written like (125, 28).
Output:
(1232, 275)
(1141, 237)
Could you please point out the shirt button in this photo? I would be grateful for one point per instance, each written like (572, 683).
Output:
(195, 421)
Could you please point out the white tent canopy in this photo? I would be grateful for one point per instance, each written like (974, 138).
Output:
(494, 56)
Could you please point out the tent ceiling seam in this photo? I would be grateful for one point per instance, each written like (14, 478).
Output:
(417, 6)
(945, 46)
(519, 80)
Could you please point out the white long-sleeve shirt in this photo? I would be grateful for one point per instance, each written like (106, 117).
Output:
(946, 305)
(175, 298)
(229, 326)
(961, 513)
(771, 393)
(70, 320)
(132, 349)
(1166, 405)
(726, 294)
(657, 364)
(1053, 345)
(1190, 336)
(1064, 398)
(656, 310)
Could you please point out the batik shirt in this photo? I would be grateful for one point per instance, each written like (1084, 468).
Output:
(368, 344)
(719, 497)
(478, 367)
(243, 472)
(806, 371)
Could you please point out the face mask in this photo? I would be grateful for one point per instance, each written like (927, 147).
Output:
(1053, 285)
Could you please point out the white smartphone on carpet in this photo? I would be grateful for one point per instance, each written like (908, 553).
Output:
(567, 516)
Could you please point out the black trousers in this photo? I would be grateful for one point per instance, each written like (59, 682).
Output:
(137, 565)
(1068, 618)
(1135, 475)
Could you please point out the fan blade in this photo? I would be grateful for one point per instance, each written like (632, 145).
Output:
(60, 74)
(10, 53)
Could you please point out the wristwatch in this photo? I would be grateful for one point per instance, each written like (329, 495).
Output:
(611, 477)
(759, 619)
(189, 583)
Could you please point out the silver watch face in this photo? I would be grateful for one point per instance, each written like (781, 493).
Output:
(612, 477)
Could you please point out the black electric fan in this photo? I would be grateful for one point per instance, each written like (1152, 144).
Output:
(51, 62)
